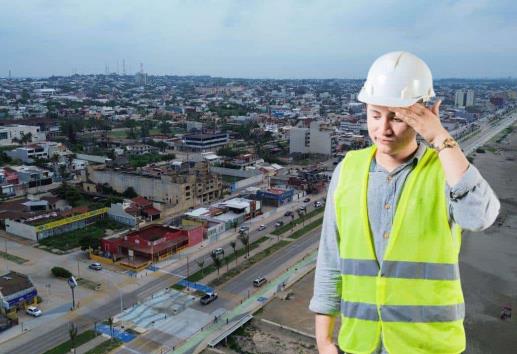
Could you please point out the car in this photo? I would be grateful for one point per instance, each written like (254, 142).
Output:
(243, 228)
(302, 208)
(317, 204)
(259, 282)
(208, 298)
(262, 227)
(306, 200)
(279, 223)
(288, 213)
(33, 311)
(217, 251)
(95, 266)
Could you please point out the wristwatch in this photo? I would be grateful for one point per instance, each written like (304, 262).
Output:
(446, 144)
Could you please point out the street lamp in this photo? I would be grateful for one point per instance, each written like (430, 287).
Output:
(72, 283)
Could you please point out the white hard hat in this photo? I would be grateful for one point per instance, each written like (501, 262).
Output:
(397, 79)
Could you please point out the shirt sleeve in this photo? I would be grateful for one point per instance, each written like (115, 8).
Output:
(472, 203)
(327, 280)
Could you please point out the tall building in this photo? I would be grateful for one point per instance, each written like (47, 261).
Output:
(320, 138)
(459, 98)
(464, 98)
(469, 98)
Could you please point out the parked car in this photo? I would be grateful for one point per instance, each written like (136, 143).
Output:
(244, 228)
(317, 204)
(217, 251)
(33, 311)
(302, 208)
(279, 223)
(306, 200)
(95, 266)
(288, 213)
(262, 227)
(208, 298)
(259, 282)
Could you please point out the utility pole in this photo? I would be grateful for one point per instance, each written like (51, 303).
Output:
(72, 283)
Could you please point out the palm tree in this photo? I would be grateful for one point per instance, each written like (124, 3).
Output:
(233, 244)
(245, 240)
(72, 332)
(200, 264)
(217, 262)
(110, 323)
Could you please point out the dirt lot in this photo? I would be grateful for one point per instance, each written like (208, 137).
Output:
(488, 271)
(489, 258)
(262, 337)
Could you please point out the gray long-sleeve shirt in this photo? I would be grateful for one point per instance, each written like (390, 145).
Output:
(472, 204)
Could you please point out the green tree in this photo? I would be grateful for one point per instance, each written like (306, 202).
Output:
(130, 193)
(233, 244)
(110, 323)
(217, 262)
(245, 240)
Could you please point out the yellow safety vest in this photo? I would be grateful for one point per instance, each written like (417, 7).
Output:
(414, 298)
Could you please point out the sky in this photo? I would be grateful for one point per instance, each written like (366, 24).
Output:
(256, 39)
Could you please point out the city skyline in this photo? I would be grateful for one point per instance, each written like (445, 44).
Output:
(236, 39)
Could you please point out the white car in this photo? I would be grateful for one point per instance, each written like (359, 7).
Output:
(33, 311)
(262, 227)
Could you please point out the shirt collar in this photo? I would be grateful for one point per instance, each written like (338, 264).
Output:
(420, 151)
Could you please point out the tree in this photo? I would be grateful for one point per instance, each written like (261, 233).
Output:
(165, 128)
(245, 240)
(110, 323)
(130, 193)
(60, 272)
(201, 264)
(217, 262)
(72, 332)
(233, 244)
(235, 223)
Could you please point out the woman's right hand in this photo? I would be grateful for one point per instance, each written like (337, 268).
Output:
(328, 348)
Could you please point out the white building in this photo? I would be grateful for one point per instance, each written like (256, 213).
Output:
(17, 132)
(469, 98)
(319, 138)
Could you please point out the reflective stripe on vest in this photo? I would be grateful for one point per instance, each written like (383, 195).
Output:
(400, 269)
(403, 313)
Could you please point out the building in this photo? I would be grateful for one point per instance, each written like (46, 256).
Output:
(459, 98)
(52, 223)
(204, 142)
(16, 291)
(469, 98)
(189, 185)
(464, 98)
(141, 149)
(319, 138)
(45, 150)
(275, 196)
(150, 244)
(15, 133)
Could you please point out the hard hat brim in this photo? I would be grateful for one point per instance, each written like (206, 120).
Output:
(387, 101)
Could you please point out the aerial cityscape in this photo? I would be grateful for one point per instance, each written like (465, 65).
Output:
(152, 212)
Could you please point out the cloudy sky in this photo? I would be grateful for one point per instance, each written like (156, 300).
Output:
(257, 39)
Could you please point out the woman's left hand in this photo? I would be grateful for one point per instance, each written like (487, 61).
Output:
(423, 120)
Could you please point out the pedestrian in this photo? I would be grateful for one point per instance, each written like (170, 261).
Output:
(391, 234)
